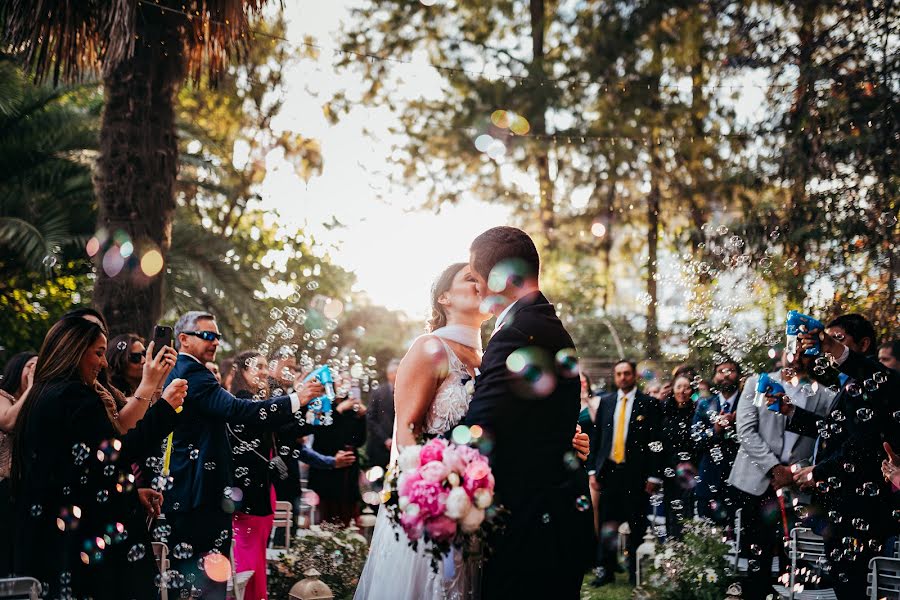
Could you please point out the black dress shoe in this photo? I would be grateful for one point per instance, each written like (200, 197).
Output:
(601, 581)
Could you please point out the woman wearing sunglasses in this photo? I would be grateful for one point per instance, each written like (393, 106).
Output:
(126, 356)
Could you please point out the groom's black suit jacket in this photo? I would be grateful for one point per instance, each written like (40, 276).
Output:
(547, 542)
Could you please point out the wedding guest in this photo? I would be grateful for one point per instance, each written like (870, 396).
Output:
(717, 443)
(256, 465)
(226, 373)
(126, 356)
(763, 466)
(201, 454)
(678, 458)
(624, 458)
(214, 369)
(652, 389)
(15, 384)
(338, 489)
(889, 354)
(380, 420)
(861, 419)
(71, 473)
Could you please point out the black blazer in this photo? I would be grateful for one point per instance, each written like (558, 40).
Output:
(201, 464)
(380, 422)
(529, 432)
(644, 435)
(348, 431)
(856, 428)
(74, 457)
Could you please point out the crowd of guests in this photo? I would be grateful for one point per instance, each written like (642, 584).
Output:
(818, 455)
(109, 444)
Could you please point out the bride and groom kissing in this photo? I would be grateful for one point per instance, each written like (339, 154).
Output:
(526, 405)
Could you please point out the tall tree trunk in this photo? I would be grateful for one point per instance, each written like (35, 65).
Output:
(136, 171)
(801, 153)
(607, 244)
(542, 159)
(653, 202)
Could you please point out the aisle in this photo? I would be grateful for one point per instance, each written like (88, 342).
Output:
(620, 590)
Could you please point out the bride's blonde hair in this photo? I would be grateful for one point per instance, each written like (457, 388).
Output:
(438, 313)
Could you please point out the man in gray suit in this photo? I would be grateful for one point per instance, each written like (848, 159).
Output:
(763, 466)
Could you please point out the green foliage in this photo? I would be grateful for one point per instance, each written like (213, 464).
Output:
(337, 553)
(693, 568)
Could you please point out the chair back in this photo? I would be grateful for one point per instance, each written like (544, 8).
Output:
(161, 553)
(283, 519)
(20, 588)
(884, 578)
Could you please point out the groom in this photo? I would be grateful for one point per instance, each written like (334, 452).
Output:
(527, 403)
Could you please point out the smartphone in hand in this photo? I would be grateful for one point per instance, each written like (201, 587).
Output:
(163, 335)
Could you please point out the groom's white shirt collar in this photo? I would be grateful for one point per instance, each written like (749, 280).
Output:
(502, 316)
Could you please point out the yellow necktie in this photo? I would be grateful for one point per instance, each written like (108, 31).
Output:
(619, 436)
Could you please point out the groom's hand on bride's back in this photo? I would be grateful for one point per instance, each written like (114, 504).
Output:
(582, 444)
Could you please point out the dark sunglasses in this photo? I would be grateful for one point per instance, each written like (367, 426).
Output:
(207, 336)
(136, 357)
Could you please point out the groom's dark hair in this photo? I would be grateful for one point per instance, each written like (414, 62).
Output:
(504, 243)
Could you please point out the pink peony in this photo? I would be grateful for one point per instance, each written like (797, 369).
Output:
(433, 451)
(468, 454)
(406, 480)
(478, 476)
(429, 496)
(441, 529)
(413, 523)
(434, 471)
(453, 460)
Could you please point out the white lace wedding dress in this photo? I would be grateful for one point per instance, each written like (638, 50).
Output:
(393, 570)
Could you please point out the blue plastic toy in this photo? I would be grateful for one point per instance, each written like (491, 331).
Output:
(766, 386)
(799, 323)
(321, 406)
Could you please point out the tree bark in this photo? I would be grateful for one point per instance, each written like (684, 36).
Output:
(136, 171)
(542, 159)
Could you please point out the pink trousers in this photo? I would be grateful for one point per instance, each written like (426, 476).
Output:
(251, 536)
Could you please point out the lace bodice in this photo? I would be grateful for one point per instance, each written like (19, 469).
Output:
(451, 401)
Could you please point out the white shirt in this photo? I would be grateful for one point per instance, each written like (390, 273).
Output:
(620, 406)
(502, 316)
(798, 398)
(723, 401)
(295, 399)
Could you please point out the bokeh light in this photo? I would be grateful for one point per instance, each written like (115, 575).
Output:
(152, 263)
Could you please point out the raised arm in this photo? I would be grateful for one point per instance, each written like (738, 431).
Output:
(418, 377)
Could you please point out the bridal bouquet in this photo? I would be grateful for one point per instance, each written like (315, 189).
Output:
(441, 493)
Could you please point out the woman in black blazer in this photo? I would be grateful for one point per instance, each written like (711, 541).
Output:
(679, 458)
(80, 528)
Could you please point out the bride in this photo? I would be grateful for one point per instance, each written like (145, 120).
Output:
(430, 399)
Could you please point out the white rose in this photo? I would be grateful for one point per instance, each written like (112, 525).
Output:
(458, 503)
(483, 498)
(409, 458)
(472, 521)
(453, 479)
(402, 502)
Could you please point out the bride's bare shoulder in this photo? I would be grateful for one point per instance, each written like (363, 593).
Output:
(428, 354)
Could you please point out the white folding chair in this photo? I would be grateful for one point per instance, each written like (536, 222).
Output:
(161, 553)
(283, 519)
(808, 547)
(237, 583)
(884, 578)
(20, 588)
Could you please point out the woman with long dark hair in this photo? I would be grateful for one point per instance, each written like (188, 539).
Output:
(679, 456)
(80, 527)
(126, 357)
(16, 382)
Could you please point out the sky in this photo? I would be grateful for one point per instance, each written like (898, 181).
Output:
(395, 250)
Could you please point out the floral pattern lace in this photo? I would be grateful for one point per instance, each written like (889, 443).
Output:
(451, 401)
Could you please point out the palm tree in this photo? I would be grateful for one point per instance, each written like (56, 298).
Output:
(144, 50)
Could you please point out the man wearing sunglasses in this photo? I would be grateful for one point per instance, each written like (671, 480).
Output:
(200, 464)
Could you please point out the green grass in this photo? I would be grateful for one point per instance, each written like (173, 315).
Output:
(620, 590)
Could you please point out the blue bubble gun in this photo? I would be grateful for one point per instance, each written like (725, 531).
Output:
(799, 323)
(768, 386)
(321, 406)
